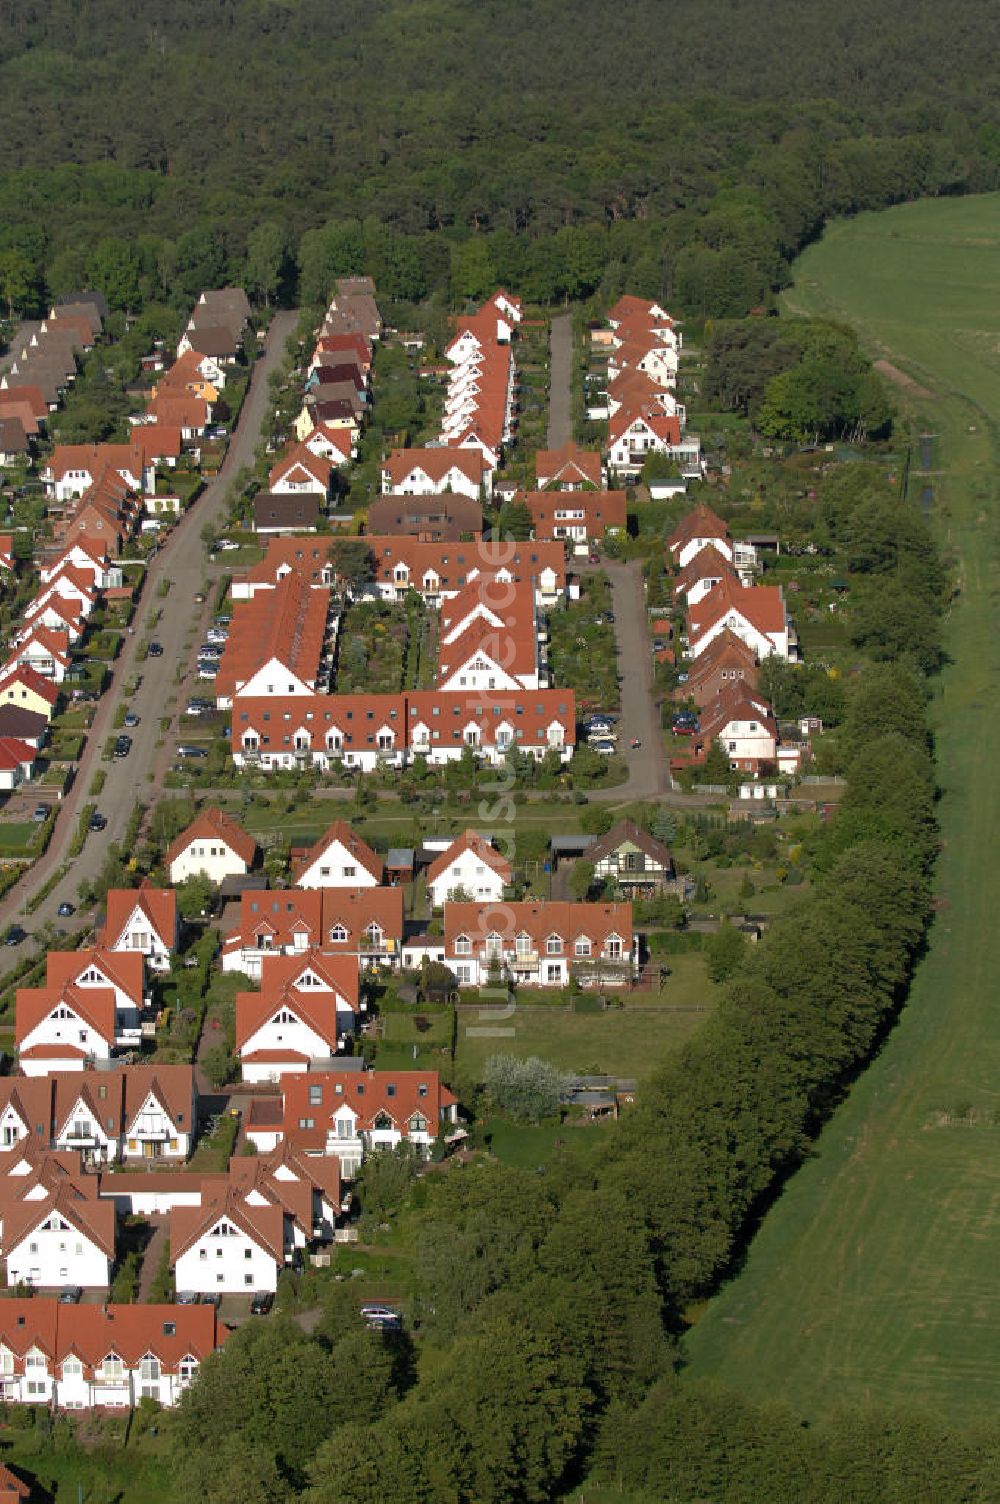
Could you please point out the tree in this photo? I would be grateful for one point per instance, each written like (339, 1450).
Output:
(581, 879)
(515, 521)
(18, 281)
(726, 950)
(267, 259)
(114, 269)
(524, 1088)
(218, 1065)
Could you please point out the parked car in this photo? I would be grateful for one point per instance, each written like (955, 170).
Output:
(155, 650)
(606, 749)
(211, 1298)
(199, 706)
(40, 812)
(199, 599)
(208, 670)
(123, 746)
(223, 620)
(131, 719)
(15, 935)
(65, 909)
(187, 1298)
(261, 1303)
(96, 821)
(70, 1295)
(187, 750)
(226, 544)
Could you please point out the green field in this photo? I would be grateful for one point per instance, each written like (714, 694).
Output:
(874, 1277)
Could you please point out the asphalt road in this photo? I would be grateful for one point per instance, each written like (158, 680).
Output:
(560, 380)
(640, 720)
(183, 561)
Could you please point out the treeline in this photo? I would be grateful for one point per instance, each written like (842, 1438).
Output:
(685, 153)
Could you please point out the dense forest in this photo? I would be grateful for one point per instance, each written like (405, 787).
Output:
(686, 151)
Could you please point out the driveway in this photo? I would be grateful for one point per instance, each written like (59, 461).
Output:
(560, 380)
(183, 561)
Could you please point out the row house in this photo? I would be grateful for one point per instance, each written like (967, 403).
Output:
(433, 472)
(725, 663)
(364, 924)
(214, 845)
(17, 762)
(634, 436)
(756, 614)
(490, 639)
(90, 560)
(743, 725)
(569, 469)
(436, 519)
(579, 519)
(126, 1113)
(300, 470)
(98, 1357)
(370, 731)
(480, 403)
(350, 1114)
(56, 1231)
(306, 1010)
(708, 568)
(637, 392)
(278, 643)
(698, 530)
(41, 649)
(437, 571)
(22, 685)
(143, 921)
(249, 1223)
(644, 415)
(540, 944)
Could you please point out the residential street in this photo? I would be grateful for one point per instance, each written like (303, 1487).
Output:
(560, 380)
(182, 560)
(647, 773)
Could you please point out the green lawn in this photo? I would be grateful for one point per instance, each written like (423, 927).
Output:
(874, 1277)
(523, 1146)
(619, 1042)
(17, 836)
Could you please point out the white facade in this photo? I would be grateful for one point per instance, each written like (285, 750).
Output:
(226, 1260)
(416, 482)
(138, 934)
(337, 867)
(66, 1032)
(693, 547)
(469, 874)
(762, 643)
(113, 1385)
(57, 1253)
(207, 856)
(287, 1033)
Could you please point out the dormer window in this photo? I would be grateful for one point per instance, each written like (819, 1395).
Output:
(553, 945)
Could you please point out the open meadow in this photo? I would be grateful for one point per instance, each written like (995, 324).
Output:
(874, 1277)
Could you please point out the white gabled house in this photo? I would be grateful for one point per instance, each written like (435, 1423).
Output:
(470, 867)
(143, 920)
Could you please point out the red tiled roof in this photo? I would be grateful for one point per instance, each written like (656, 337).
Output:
(213, 824)
(93, 1332)
(700, 522)
(539, 920)
(470, 840)
(435, 463)
(93, 1218)
(367, 1093)
(601, 510)
(763, 606)
(159, 905)
(123, 969)
(571, 461)
(264, 1225)
(341, 831)
(32, 681)
(288, 625)
(95, 1005)
(300, 456)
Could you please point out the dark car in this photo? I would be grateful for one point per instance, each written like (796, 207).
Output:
(65, 909)
(15, 935)
(187, 1298)
(185, 750)
(96, 821)
(212, 1298)
(123, 746)
(69, 1295)
(261, 1303)
(155, 650)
